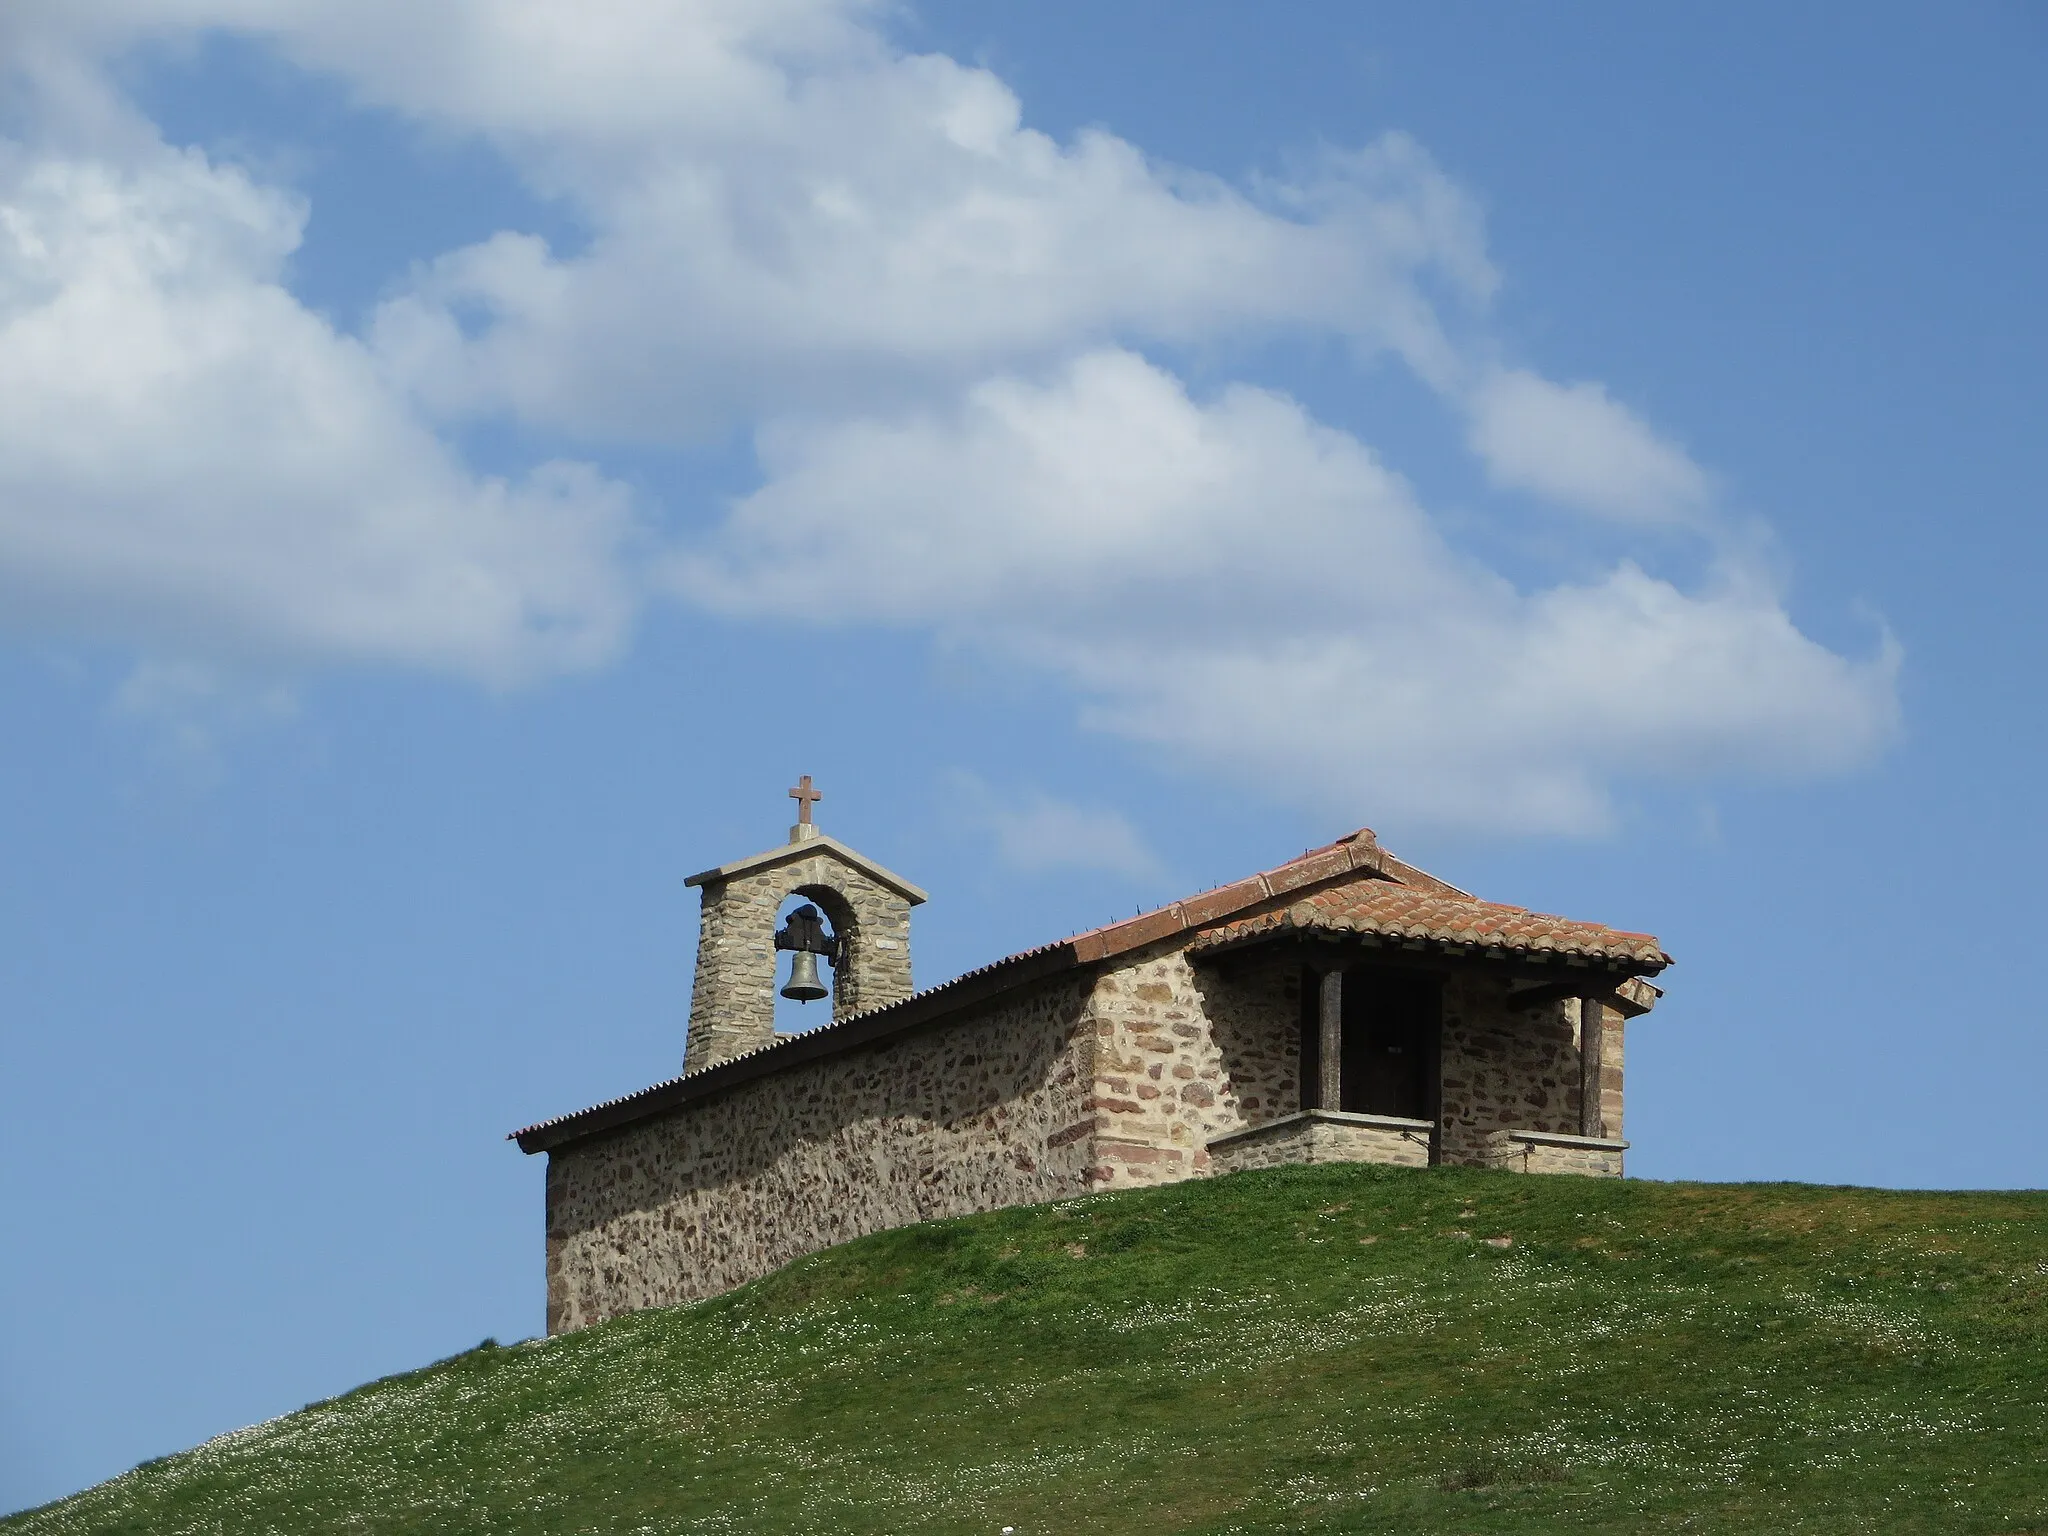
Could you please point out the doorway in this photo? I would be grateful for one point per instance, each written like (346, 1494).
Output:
(1388, 1045)
(1390, 1020)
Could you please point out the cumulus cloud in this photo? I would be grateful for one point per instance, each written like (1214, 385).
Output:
(901, 233)
(1258, 593)
(192, 460)
(1577, 445)
(1522, 722)
(783, 209)
(1100, 492)
(944, 330)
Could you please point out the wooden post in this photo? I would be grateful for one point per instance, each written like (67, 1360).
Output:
(1330, 1090)
(1592, 1044)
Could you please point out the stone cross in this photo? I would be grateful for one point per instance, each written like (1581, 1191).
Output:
(805, 797)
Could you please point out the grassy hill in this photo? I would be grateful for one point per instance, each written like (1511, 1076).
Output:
(1305, 1350)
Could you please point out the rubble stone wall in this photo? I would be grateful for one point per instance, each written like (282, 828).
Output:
(1119, 1078)
(1188, 1053)
(1505, 1067)
(963, 1118)
(1184, 1054)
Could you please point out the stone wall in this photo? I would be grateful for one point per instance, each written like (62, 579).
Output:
(1504, 1067)
(1187, 1053)
(963, 1118)
(1147, 1072)
(1184, 1054)
(732, 1002)
(1323, 1136)
(1537, 1152)
(1608, 1075)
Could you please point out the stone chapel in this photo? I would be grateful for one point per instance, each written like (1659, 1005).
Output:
(1343, 1006)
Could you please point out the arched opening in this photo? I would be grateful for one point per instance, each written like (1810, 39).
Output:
(833, 923)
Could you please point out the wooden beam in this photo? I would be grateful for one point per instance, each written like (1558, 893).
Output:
(1627, 995)
(1330, 1088)
(1592, 1040)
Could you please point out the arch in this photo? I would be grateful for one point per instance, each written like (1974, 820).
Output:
(733, 1003)
(844, 921)
(833, 969)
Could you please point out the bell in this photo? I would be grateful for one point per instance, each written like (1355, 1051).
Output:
(804, 985)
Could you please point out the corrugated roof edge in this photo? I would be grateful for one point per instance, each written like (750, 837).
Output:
(1349, 854)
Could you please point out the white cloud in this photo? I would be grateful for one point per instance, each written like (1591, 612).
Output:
(192, 461)
(537, 72)
(933, 317)
(1103, 492)
(1520, 717)
(1576, 444)
(1039, 833)
(900, 233)
(1257, 594)
(783, 210)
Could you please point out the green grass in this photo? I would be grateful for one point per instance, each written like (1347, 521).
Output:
(1305, 1350)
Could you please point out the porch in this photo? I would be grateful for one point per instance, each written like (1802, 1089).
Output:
(1485, 1057)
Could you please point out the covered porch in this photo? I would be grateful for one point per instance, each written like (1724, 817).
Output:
(1433, 1027)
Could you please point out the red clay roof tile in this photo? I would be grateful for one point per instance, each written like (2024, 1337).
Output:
(1402, 912)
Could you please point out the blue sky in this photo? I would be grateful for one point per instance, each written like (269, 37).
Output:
(460, 462)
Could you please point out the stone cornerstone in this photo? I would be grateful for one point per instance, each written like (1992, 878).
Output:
(1343, 1006)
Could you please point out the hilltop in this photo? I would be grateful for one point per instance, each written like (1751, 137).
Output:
(1317, 1349)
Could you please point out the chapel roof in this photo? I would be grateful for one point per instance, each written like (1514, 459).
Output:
(1397, 911)
(1349, 887)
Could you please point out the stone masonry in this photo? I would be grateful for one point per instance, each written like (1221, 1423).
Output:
(732, 1002)
(1323, 1136)
(1183, 1056)
(1503, 1066)
(1163, 1048)
(992, 1113)
(1538, 1152)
